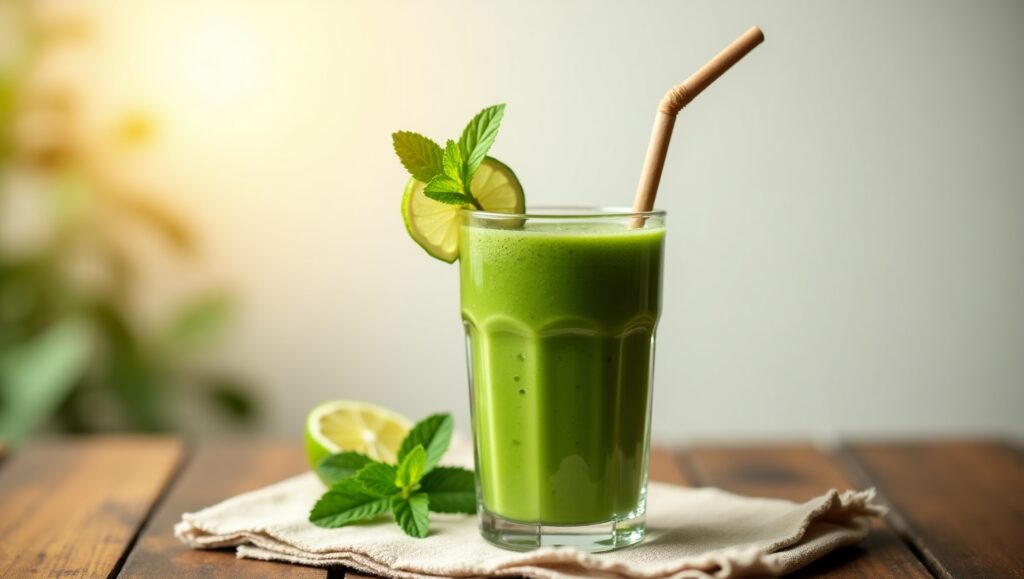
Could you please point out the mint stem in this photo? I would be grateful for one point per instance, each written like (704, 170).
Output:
(471, 196)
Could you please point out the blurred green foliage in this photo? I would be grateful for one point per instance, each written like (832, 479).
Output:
(73, 353)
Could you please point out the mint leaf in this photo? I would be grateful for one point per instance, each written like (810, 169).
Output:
(410, 470)
(340, 466)
(451, 490)
(412, 514)
(450, 198)
(443, 184)
(452, 162)
(446, 190)
(478, 136)
(418, 154)
(378, 479)
(346, 502)
(434, 433)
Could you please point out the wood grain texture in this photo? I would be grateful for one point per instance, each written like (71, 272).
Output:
(72, 507)
(216, 471)
(664, 467)
(799, 473)
(960, 503)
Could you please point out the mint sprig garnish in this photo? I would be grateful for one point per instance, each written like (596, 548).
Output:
(362, 488)
(418, 154)
(412, 514)
(434, 434)
(451, 490)
(340, 466)
(379, 479)
(479, 135)
(348, 501)
(448, 172)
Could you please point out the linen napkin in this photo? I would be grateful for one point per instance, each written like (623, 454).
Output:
(691, 533)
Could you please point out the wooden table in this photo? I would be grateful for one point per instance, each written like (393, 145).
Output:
(105, 506)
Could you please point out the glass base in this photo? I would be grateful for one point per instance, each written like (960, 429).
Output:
(593, 538)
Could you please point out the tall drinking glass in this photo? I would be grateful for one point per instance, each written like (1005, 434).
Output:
(560, 307)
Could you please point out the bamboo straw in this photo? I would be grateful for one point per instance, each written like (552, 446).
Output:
(676, 98)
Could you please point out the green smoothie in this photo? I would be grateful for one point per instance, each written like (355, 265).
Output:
(560, 318)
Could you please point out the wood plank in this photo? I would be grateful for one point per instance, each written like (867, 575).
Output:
(960, 503)
(664, 467)
(799, 473)
(217, 471)
(72, 507)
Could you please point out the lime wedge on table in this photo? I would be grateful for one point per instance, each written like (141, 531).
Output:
(435, 225)
(348, 425)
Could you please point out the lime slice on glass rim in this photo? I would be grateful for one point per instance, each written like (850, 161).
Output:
(344, 425)
(435, 225)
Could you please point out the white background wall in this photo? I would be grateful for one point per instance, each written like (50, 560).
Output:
(846, 206)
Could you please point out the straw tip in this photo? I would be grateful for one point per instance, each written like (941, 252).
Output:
(757, 33)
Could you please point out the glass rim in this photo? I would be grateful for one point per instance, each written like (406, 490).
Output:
(580, 212)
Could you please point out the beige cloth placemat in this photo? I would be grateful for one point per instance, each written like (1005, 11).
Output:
(697, 533)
